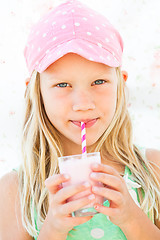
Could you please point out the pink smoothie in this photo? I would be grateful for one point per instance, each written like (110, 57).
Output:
(78, 167)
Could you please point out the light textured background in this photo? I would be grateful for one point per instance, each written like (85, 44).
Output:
(139, 24)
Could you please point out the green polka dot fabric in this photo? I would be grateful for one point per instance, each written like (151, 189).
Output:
(99, 227)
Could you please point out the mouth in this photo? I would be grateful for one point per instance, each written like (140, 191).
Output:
(88, 122)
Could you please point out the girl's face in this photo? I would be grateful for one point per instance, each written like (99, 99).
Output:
(75, 89)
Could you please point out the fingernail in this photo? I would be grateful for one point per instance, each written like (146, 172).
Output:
(47, 180)
(96, 206)
(95, 165)
(95, 189)
(91, 197)
(94, 175)
(86, 184)
(66, 176)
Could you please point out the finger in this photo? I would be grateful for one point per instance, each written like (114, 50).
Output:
(69, 191)
(80, 220)
(105, 169)
(110, 181)
(75, 221)
(53, 182)
(111, 212)
(74, 205)
(109, 194)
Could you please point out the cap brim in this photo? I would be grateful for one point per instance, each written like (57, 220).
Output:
(89, 51)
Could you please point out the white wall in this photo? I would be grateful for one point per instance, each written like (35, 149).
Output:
(138, 22)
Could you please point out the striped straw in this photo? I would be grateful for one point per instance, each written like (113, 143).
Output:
(83, 137)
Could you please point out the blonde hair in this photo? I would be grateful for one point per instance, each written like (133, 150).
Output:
(41, 148)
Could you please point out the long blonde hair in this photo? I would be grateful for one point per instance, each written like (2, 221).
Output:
(41, 148)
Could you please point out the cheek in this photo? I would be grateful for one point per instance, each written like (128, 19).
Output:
(56, 110)
(109, 102)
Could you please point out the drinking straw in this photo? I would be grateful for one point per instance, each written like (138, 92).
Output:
(83, 137)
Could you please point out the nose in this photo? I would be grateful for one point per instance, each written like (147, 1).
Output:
(83, 101)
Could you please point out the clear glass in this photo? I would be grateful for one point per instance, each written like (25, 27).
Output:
(78, 167)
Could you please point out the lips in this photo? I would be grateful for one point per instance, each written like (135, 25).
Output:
(88, 122)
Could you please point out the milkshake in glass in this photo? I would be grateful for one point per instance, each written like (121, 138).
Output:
(78, 167)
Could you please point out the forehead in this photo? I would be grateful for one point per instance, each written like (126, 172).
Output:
(73, 63)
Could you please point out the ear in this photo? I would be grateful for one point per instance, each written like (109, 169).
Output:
(27, 81)
(125, 75)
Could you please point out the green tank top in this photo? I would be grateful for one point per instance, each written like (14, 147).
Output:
(100, 227)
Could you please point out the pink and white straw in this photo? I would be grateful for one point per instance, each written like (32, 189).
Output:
(83, 137)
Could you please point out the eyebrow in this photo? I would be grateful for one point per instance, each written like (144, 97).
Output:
(62, 77)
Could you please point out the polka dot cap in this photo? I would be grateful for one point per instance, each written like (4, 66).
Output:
(72, 27)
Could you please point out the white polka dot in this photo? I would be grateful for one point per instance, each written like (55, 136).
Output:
(72, 10)
(64, 13)
(101, 57)
(108, 57)
(84, 18)
(103, 25)
(47, 51)
(44, 34)
(74, 33)
(58, 12)
(89, 33)
(115, 59)
(53, 39)
(91, 15)
(37, 63)
(107, 40)
(68, 42)
(90, 46)
(99, 44)
(39, 49)
(53, 23)
(63, 26)
(97, 233)
(77, 24)
(97, 28)
(37, 32)
(91, 59)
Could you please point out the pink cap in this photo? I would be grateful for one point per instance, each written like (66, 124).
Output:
(73, 27)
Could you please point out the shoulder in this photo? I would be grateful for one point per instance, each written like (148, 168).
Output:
(153, 156)
(10, 217)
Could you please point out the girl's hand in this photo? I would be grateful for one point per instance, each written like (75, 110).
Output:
(122, 207)
(59, 213)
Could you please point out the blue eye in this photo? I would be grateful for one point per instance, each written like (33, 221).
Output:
(99, 82)
(62, 85)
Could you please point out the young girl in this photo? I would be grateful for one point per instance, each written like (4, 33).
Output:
(74, 57)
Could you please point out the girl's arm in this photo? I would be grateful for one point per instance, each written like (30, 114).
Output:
(123, 211)
(10, 212)
(143, 228)
(58, 221)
